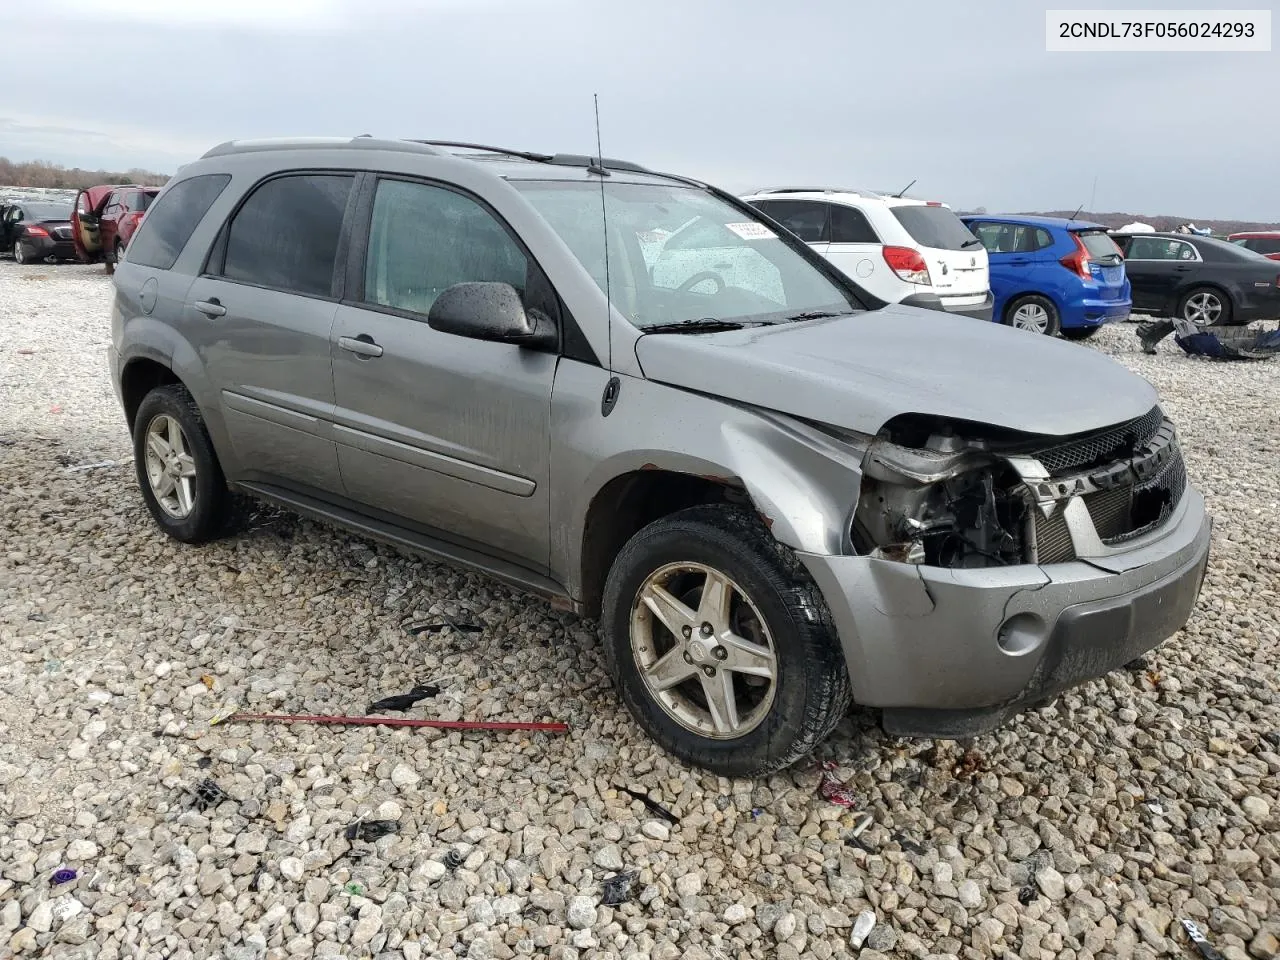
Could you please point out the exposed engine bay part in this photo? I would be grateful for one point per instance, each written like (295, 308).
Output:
(960, 507)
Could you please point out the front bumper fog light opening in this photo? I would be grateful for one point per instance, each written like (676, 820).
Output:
(1021, 634)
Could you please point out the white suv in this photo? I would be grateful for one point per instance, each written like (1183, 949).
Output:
(898, 249)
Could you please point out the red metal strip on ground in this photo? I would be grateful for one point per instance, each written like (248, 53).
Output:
(403, 722)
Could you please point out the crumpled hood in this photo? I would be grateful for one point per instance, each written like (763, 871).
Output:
(859, 371)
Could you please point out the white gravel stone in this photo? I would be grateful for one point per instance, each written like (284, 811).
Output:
(862, 926)
(582, 912)
(291, 868)
(1256, 809)
(404, 776)
(656, 830)
(735, 913)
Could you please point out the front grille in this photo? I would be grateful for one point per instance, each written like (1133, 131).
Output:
(1116, 443)
(1053, 539)
(1129, 512)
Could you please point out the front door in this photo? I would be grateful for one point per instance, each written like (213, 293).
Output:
(261, 317)
(446, 431)
(1157, 267)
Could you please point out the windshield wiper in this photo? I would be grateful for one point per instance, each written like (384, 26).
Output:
(969, 243)
(695, 325)
(814, 315)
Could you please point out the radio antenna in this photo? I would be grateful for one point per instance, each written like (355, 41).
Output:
(598, 169)
(904, 189)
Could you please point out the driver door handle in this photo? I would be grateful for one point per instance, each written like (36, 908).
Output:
(211, 308)
(361, 346)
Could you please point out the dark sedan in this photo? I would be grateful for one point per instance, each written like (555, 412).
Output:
(1200, 279)
(39, 230)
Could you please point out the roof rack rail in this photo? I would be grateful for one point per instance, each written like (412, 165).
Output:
(364, 142)
(580, 160)
(858, 191)
(463, 145)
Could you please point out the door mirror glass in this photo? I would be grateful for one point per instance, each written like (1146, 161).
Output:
(490, 311)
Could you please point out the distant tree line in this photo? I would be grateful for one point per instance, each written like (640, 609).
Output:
(42, 173)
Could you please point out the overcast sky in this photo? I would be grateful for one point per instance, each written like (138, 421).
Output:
(744, 93)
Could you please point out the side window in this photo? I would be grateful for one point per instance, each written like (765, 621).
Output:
(807, 219)
(175, 216)
(996, 237)
(285, 236)
(850, 225)
(1265, 245)
(1181, 251)
(424, 239)
(1043, 239)
(1144, 248)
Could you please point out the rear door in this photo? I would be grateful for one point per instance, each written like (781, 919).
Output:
(263, 311)
(1014, 252)
(1105, 263)
(857, 250)
(957, 261)
(1156, 268)
(449, 432)
(109, 222)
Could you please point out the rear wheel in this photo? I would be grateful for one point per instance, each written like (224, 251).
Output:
(19, 254)
(1080, 333)
(1205, 307)
(1032, 313)
(720, 643)
(178, 471)
(119, 252)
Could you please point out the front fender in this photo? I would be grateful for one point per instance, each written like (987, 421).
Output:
(803, 483)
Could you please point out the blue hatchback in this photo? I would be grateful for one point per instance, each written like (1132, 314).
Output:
(1051, 275)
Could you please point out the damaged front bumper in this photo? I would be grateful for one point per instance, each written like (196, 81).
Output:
(955, 652)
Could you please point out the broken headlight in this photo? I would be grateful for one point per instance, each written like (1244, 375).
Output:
(948, 504)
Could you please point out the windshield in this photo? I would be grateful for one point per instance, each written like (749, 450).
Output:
(47, 211)
(1099, 245)
(678, 254)
(936, 227)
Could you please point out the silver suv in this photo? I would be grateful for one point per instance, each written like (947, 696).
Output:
(776, 493)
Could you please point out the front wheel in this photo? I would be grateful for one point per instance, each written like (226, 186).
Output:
(1080, 333)
(720, 643)
(1205, 307)
(19, 254)
(1033, 314)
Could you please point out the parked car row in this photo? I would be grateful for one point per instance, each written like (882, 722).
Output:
(97, 225)
(648, 401)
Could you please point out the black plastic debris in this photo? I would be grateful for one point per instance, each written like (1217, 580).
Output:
(1206, 949)
(371, 830)
(208, 794)
(907, 844)
(257, 875)
(204, 763)
(37, 618)
(1027, 893)
(453, 860)
(65, 875)
(444, 623)
(1138, 665)
(404, 701)
(617, 889)
(652, 805)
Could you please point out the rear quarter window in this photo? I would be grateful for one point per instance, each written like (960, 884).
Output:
(173, 218)
(935, 227)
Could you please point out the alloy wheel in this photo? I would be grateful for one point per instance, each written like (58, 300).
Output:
(703, 650)
(171, 471)
(1202, 309)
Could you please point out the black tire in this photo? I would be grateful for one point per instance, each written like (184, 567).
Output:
(1224, 317)
(210, 504)
(811, 688)
(1052, 325)
(20, 255)
(119, 252)
(1079, 333)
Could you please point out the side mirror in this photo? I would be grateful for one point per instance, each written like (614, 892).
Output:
(491, 311)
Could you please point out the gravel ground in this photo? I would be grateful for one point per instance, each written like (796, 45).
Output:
(1145, 797)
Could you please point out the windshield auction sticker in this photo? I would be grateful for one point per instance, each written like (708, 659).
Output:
(751, 231)
(1137, 31)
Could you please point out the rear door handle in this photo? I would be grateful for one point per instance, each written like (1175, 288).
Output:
(361, 346)
(211, 308)
(1182, 269)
